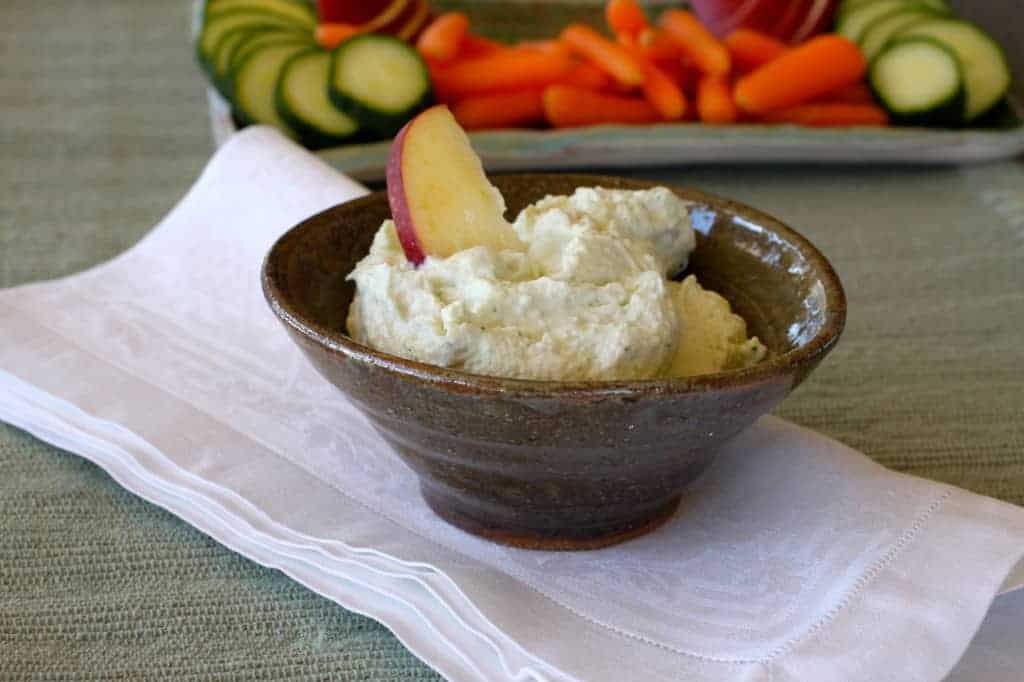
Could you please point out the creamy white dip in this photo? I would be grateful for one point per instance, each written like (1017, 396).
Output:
(589, 297)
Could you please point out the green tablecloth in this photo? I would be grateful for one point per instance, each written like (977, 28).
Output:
(103, 127)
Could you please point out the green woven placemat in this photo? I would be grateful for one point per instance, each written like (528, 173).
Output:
(104, 127)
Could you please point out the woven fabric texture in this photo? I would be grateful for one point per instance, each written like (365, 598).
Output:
(103, 127)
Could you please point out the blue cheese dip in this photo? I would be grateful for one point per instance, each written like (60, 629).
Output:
(588, 297)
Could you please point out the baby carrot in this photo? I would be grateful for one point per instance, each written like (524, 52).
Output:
(566, 106)
(660, 91)
(677, 71)
(515, 69)
(696, 42)
(442, 38)
(625, 17)
(586, 75)
(750, 49)
(714, 100)
(514, 109)
(663, 94)
(475, 46)
(821, 65)
(656, 45)
(830, 114)
(611, 57)
(329, 36)
(858, 93)
(437, 73)
(545, 46)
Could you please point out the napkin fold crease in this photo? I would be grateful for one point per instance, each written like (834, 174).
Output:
(793, 558)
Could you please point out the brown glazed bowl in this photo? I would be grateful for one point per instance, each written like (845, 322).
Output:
(563, 465)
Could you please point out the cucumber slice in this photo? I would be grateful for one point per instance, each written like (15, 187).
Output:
(920, 81)
(255, 82)
(986, 73)
(878, 32)
(223, 51)
(262, 38)
(380, 81)
(853, 24)
(302, 101)
(217, 27)
(299, 12)
(257, 41)
(847, 6)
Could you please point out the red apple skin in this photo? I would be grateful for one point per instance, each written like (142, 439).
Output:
(398, 22)
(416, 21)
(349, 12)
(396, 199)
(391, 18)
(793, 21)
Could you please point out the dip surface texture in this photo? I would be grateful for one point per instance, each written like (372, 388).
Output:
(588, 297)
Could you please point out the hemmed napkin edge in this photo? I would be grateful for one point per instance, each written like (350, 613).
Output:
(992, 546)
(304, 572)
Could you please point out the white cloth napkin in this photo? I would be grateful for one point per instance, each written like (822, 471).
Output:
(793, 558)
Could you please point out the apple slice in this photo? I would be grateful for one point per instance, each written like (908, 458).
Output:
(348, 12)
(391, 14)
(416, 22)
(441, 201)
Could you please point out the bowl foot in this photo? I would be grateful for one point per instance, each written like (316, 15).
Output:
(592, 537)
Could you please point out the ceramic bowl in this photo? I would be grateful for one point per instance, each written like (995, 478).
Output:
(563, 465)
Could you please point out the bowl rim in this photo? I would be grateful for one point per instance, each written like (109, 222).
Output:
(465, 382)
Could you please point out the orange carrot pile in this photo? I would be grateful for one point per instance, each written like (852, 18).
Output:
(586, 75)
(656, 44)
(821, 65)
(554, 47)
(612, 57)
(858, 93)
(625, 17)
(661, 87)
(501, 72)
(515, 109)
(750, 49)
(668, 71)
(697, 42)
(441, 40)
(714, 100)
(663, 93)
(832, 114)
(475, 46)
(567, 106)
